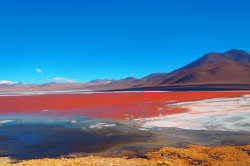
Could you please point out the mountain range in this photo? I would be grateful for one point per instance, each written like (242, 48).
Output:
(214, 71)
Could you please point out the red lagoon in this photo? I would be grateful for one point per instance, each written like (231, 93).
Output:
(124, 105)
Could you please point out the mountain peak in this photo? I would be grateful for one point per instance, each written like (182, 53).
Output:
(236, 51)
(130, 79)
(237, 55)
(232, 66)
(233, 55)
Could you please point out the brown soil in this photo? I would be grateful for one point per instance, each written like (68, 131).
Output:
(193, 155)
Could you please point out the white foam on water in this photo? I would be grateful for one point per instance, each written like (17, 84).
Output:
(101, 125)
(143, 129)
(73, 121)
(228, 114)
(5, 121)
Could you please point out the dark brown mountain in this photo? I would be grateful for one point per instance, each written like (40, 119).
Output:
(229, 70)
(232, 67)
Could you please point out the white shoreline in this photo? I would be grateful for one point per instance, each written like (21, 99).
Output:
(227, 114)
(92, 92)
(66, 92)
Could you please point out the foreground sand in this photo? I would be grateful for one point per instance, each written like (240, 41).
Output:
(193, 155)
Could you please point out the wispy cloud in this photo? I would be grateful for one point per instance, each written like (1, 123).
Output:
(62, 80)
(7, 82)
(39, 70)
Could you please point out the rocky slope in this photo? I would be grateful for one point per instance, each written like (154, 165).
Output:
(232, 67)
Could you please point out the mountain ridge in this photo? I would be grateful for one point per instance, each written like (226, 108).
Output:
(229, 68)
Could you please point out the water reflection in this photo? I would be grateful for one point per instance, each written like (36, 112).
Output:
(29, 137)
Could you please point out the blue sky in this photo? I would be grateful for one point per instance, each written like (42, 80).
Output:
(82, 40)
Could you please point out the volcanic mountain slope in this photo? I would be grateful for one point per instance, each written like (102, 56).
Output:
(229, 68)
(232, 67)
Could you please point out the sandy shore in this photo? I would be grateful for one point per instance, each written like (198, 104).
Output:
(193, 155)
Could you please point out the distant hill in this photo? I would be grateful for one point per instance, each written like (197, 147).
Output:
(221, 71)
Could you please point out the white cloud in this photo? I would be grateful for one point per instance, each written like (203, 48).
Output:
(39, 70)
(7, 82)
(62, 80)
